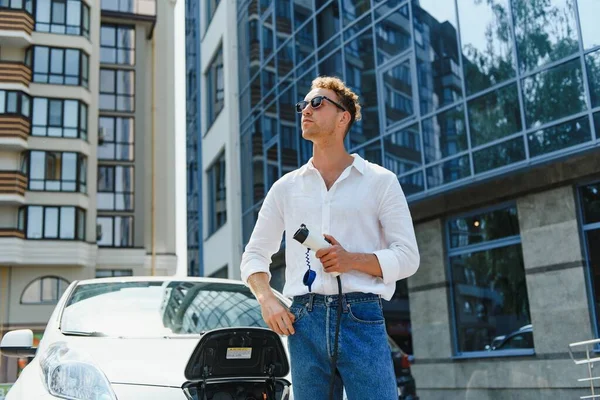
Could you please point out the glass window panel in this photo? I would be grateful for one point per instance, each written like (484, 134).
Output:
(559, 137)
(25, 105)
(2, 101)
(11, 102)
(499, 155)
(105, 201)
(444, 134)
(35, 218)
(50, 222)
(590, 197)
(588, 17)
(72, 62)
(40, 111)
(305, 42)
(124, 179)
(439, 75)
(67, 222)
(554, 93)
(354, 9)
(71, 113)
(105, 234)
(402, 150)
(57, 60)
(123, 232)
(448, 171)
(412, 183)
(490, 296)
(74, 15)
(393, 35)
(42, 11)
(106, 179)
(38, 165)
(56, 114)
(58, 12)
(592, 239)
(303, 10)
(545, 31)
(41, 56)
(483, 227)
(494, 115)
(592, 62)
(398, 93)
(49, 289)
(328, 23)
(69, 166)
(487, 45)
(371, 152)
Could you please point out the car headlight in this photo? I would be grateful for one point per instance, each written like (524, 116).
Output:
(68, 374)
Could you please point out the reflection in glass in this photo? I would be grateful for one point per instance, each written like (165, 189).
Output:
(494, 115)
(371, 152)
(328, 23)
(393, 35)
(444, 134)
(332, 66)
(590, 198)
(553, 94)
(360, 77)
(412, 183)
(438, 70)
(448, 171)
(402, 150)
(499, 155)
(487, 45)
(272, 160)
(592, 62)
(589, 10)
(285, 59)
(354, 9)
(490, 296)
(302, 11)
(483, 227)
(288, 133)
(559, 137)
(592, 239)
(305, 42)
(398, 93)
(545, 31)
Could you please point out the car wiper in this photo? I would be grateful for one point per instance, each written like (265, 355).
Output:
(83, 333)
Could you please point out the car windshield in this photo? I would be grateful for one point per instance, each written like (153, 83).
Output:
(158, 309)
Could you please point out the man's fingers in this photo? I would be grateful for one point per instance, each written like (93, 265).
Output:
(289, 323)
(323, 252)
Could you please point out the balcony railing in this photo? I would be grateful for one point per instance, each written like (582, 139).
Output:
(16, 20)
(11, 233)
(14, 126)
(15, 72)
(13, 182)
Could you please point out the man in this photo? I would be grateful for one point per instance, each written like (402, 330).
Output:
(360, 208)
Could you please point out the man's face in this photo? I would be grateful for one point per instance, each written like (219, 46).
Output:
(322, 121)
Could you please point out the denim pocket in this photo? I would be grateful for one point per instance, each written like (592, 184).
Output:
(366, 313)
(299, 311)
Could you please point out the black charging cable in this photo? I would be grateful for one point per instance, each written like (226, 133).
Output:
(336, 339)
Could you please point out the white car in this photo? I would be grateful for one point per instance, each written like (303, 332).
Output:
(145, 338)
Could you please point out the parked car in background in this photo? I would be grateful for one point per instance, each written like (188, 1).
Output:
(407, 388)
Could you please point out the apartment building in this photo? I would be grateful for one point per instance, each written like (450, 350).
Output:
(87, 149)
(489, 114)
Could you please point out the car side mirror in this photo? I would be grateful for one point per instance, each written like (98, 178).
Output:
(18, 343)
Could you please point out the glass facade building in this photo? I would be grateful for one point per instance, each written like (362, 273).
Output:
(193, 139)
(454, 93)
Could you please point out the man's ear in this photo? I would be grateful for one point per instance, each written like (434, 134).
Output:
(345, 120)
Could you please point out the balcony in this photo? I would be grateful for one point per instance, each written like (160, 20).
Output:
(14, 132)
(13, 185)
(11, 233)
(15, 73)
(16, 26)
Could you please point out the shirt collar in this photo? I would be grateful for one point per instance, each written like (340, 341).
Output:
(359, 164)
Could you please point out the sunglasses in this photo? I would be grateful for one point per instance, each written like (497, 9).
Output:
(315, 103)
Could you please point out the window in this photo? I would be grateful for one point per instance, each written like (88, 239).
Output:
(115, 188)
(116, 90)
(589, 196)
(44, 290)
(487, 279)
(59, 66)
(220, 273)
(57, 171)
(211, 8)
(52, 222)
(109, 273)
(117, 138)
(67, 17)
(15, 103)
(59, 118)
(215, 87)
(26, 5)
(114, 231)
(117, 44)
(217, 195)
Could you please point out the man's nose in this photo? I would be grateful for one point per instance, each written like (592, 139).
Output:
(307, 110)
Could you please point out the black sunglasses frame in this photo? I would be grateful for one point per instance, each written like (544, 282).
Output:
(301, 105)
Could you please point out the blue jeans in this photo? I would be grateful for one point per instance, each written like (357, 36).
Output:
(365, 368)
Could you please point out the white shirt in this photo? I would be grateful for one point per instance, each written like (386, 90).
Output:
(365, 210)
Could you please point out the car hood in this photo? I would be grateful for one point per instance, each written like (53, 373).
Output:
(142, 361)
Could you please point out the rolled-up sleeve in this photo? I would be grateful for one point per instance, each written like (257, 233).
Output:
(401, 259)
(265, 239)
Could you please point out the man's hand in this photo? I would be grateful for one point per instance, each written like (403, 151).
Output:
(335, 258)
(277, 317)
